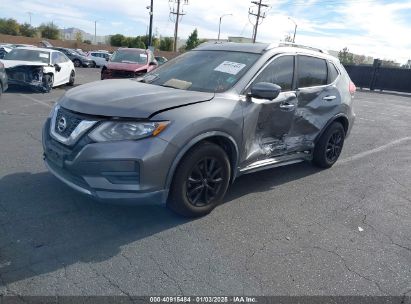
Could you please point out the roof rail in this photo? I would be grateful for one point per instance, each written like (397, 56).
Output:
(291, 44)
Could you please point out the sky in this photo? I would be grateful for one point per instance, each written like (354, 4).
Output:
(377, 28)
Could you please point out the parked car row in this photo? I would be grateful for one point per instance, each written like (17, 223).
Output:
(38, 68)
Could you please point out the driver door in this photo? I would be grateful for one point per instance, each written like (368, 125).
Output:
(268, 122)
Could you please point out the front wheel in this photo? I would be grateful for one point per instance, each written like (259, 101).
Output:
(329, 146)
(77, 63)
(72, 78)
(48, 80)
(201, 181)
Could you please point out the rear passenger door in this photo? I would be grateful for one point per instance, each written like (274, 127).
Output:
(318, 99)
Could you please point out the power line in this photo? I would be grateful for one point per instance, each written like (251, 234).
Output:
(176, 12)
(259, 16)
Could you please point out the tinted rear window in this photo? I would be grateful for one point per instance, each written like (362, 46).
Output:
(332, 72)
(311, 71)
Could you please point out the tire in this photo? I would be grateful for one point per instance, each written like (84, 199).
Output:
(48, 81)
(93, 65)
(1, 89)
(200, 181)
(72, 78)
(329, 146)
(77, 63)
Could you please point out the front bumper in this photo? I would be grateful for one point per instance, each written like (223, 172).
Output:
(126, 172)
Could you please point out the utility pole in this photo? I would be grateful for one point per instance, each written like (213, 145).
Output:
(295, 27)
(177, 13)
(219, 25)
(150, 32)
(95, 32)
(259, 16)
(30, 13)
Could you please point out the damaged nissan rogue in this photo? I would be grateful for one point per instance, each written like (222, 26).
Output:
(183, 132)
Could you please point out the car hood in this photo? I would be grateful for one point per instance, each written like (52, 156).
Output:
(14, 63)
(125, 66)
(127, 98)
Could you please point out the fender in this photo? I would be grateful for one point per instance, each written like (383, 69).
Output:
(329, 122)
(193, 142)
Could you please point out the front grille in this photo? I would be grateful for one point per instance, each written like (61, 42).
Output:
(122, 74)
(71, 122)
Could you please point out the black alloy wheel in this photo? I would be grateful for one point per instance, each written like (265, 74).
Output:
(329, 146)
(204, 182)
(200, 180)
(334, 146)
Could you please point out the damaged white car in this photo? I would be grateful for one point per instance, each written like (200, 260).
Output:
(38, 68)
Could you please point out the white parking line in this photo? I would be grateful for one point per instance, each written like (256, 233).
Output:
(372, 151)
(36, 100)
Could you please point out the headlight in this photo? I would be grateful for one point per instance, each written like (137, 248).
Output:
(126, 130)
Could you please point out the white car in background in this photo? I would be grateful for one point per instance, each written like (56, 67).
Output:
(38, 68)
(99, 57)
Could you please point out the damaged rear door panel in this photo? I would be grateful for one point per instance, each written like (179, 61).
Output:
(318, 101)
(285, 129)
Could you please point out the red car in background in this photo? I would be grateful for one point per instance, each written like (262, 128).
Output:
(129, 63)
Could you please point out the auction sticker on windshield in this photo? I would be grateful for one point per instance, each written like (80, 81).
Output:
(43, 55)
(230, 67)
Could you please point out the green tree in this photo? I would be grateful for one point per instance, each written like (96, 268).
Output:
(79, 36)
(192, 40)
(345, 56)
(136, 42)
(117, 40)
(87, 41)
(9, 27)
(166, 44)
(49, 30)
(27, 30)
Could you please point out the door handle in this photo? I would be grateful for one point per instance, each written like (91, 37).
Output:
(329, 98)
(287, 106)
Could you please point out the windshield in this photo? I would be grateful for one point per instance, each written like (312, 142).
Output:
(129, 57)
(28, 55)
(204, 71)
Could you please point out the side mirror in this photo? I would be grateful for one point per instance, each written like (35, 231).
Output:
(265, 90)
(152, 63)
(57, 67)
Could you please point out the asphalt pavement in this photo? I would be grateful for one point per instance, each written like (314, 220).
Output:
(294, 230)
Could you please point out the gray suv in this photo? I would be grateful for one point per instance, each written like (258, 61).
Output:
(183, 132)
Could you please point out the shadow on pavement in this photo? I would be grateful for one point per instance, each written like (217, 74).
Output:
(45, 225)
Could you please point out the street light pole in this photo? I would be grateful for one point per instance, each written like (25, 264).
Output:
(95, 31)
(295, 28)
(219, 25)
(150, 32)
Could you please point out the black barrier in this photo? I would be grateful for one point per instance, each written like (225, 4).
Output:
(376, 77)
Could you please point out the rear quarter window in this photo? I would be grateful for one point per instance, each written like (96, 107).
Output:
(332, 72)
(311, 71)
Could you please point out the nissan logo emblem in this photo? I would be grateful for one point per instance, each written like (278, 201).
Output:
(62, 124)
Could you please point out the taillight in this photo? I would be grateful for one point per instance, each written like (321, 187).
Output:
(352, 88)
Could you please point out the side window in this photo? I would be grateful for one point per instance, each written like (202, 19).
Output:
(62, 58)
(332, 72)
(54, 57)
(280, 71)
(311, 71)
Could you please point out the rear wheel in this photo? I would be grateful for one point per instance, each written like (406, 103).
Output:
(72, 78)
(329, 147)
(201, 181)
